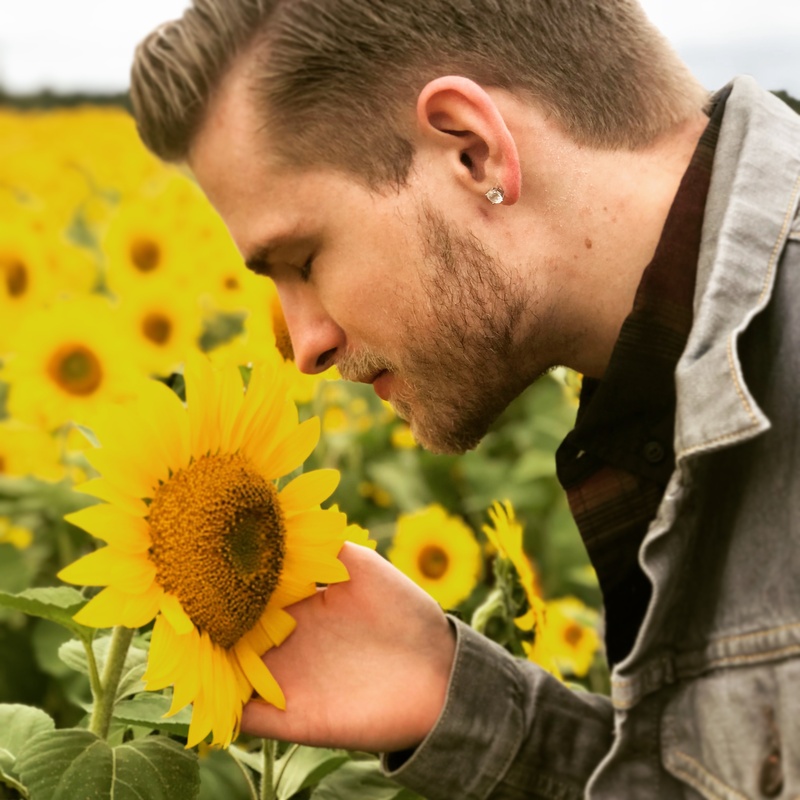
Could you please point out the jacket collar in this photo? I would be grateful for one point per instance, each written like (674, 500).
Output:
(752, 200)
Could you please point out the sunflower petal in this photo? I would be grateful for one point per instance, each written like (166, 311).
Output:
(112, 607)
(291, 452)
(277, 624)
(187, 683)
(310, 561)
(114, 526)
(111, 567)
(103, 490)
(164, 657)
(172, 609)
(309, 489)
(258, 674)
(231, 397)
(123, 474)
(265, 393)
(165, 417)
(199, 378)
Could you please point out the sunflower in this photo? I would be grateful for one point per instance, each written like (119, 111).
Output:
(438, 552)
(202, 541)
(15, 535)
(70, 361)
(164, 322)
(505, 535)
(571, 636)
(27, 451)
(23, 285)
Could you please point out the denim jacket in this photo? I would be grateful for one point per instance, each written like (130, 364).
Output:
(707, 703)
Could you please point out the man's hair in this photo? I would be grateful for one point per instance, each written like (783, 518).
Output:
(336, 81)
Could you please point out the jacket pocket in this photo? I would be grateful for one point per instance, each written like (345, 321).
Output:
(734, 733)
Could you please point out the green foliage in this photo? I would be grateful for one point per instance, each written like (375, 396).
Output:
(63, 765)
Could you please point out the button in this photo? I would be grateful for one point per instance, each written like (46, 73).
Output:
(654, 452)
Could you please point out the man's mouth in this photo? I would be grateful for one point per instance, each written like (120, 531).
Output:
(381, 383)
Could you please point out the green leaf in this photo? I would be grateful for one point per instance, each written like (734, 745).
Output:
(18, 724)
(66, 764)
(56, 603)
(149, 709)
(73, 654)
(360, 779)
(221, 778)
(303, 767)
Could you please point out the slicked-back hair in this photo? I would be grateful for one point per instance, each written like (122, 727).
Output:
(336, 81)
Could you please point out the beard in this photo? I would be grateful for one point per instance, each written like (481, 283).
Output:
(458, 370)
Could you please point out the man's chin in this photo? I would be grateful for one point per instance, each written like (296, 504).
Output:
(443, 440)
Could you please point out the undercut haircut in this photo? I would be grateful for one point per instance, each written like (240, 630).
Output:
(336, 81)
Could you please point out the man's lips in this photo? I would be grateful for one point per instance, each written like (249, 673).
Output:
(381, 383)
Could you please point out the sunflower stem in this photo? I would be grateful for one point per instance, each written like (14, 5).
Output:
(267, 777)
(112, 673)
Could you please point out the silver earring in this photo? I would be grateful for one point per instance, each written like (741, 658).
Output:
(495, 195)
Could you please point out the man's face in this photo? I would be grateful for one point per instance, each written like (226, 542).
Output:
(381, 284)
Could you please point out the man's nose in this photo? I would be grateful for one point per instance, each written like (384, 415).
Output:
(316, 338)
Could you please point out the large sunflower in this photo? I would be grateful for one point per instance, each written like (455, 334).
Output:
(438, 552)
(201, 539)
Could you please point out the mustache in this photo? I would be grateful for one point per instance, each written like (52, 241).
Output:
(362, 366)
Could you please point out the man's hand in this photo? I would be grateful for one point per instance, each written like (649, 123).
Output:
(367, 666)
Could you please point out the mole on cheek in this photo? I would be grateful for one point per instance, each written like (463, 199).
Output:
(588, 243)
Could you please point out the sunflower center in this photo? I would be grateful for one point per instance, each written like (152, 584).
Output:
(157, 328)
(16, 278)
(433, 562)
(76, 369)
(218, 543)
(573, 633)
(145, 255)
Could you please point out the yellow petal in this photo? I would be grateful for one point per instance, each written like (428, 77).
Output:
(226, 703)
(112, 607)
(309, 489)
(265, 395)
(270, 428)
(164, 656)
(173, 610)
(103, 490)
(187, 683)
(114, 526)
(258, 674)
(231, 396)
(291, 451)
(310, 561)
(122, 474)
(111, 567)
(199, 378)
(316, 527)
(200, 726)
(167, 423)
(277, 624)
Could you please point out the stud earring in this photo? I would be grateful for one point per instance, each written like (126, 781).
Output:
(495, 195)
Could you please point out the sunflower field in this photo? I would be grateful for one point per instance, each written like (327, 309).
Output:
(170, 484)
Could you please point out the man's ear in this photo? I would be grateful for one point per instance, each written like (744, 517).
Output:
(458, 116)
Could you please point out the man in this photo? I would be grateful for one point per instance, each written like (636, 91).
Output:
(453, 196)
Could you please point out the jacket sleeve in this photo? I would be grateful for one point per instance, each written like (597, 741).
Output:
(508, 731)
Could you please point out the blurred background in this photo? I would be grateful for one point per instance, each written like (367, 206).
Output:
(86, 45)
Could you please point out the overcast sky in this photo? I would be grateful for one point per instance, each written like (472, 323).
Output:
(86, 45)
